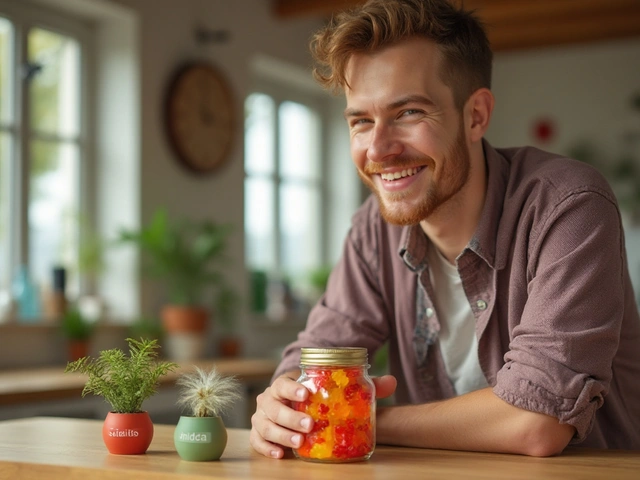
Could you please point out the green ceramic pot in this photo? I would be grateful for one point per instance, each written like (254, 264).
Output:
(200, 439)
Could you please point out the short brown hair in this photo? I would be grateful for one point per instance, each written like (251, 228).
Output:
(467, 56)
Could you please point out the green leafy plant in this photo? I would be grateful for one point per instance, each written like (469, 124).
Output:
(207, 393)
(146, 327)
(124, 381)
(185, 255)
(74, 326)
(319, 277)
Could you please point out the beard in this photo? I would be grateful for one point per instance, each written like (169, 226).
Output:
(398, 209)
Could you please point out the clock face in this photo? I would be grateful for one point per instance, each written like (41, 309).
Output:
(199, 116)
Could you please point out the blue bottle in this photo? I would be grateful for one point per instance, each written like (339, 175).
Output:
(27, 297)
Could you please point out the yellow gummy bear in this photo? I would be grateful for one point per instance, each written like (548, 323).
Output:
(323, 450)
(340, 377)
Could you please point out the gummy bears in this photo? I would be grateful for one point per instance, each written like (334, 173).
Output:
(342, 404)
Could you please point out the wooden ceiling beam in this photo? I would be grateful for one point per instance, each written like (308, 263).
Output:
(607, 26)
(515, 25)
(295, 8)
(544, 11)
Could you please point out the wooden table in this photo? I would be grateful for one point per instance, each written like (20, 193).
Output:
(72, 449)
(51, 383)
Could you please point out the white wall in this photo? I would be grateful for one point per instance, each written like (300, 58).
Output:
(586, 89)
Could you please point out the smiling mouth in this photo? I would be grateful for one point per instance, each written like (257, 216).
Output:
(410, 172)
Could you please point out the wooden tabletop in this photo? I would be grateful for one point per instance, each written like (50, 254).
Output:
(72, 449)
(51, 383)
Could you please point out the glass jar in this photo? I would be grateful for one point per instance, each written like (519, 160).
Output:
(341, 402)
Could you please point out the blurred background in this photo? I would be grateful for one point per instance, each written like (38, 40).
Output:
(102, 210)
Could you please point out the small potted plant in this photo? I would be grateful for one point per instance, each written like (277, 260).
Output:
(202, 435)
(77, 330)
(125, 382)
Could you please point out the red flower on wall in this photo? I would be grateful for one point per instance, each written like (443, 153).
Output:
(544, 130)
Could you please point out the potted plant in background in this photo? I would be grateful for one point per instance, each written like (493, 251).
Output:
(146, 327)
(125, 382)
(202, 435)
(185, 256)
(77, 330)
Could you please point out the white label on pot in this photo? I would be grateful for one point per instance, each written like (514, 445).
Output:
(127, 432)
(195, 437)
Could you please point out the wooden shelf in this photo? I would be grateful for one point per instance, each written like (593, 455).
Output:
(51, 383)
(518, 25)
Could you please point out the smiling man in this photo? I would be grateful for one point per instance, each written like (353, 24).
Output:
(498, 277)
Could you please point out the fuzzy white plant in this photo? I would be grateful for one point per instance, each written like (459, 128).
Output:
(207, 393)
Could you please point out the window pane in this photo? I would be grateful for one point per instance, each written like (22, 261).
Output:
(300, 216)
(55, 88)
(53, 208)
(259, 224)
(299, 145)
(259, 134)
(6, 34)
(4, 207)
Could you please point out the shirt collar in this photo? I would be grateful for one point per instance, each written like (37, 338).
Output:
(413, 241)
(485, 239)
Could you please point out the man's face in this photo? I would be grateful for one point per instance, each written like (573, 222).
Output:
(407, 138)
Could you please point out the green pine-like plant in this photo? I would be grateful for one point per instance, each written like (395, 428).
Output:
(125, 382)
(207, 393)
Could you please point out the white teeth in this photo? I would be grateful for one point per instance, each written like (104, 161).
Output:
(394, 176)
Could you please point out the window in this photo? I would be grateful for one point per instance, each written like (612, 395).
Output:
(42, 142)
(301, 188)
(283, 187)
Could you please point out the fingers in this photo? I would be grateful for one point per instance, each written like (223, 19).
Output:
(385, 385)
(275, 424)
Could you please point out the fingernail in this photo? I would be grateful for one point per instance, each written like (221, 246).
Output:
(275, 454)
(296, 440)
(300, 393)
(306, 423)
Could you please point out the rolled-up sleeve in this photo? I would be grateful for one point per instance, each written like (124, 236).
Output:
(559, 360)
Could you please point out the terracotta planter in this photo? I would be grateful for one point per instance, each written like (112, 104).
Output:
(127, 433)
(77, 349)
(230, 347)
(200, 439)
(177, 318)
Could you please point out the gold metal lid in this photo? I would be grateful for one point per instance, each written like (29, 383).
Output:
(337, 356)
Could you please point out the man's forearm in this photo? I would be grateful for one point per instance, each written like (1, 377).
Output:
(477, 421)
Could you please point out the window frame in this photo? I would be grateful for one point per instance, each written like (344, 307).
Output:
(25, 17)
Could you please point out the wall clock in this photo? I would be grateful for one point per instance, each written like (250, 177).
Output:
(199, 117)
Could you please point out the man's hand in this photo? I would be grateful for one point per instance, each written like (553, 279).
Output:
(385, 385)
(276, 425)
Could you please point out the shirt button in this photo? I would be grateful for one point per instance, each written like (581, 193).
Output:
(429, 312)
(481, 304)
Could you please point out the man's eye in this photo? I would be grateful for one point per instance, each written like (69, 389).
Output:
(411, 112)
(359, 121)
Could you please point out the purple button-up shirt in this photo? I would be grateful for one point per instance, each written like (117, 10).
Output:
(546, 277)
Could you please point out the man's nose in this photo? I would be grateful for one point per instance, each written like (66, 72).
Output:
(384, 143)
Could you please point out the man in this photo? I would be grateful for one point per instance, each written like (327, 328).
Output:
(498, 276)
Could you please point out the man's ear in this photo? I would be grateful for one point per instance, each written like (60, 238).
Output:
(479, 108)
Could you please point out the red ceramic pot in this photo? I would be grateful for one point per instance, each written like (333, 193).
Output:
(127, 433)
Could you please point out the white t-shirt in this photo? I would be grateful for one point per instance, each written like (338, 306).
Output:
(457, 337)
